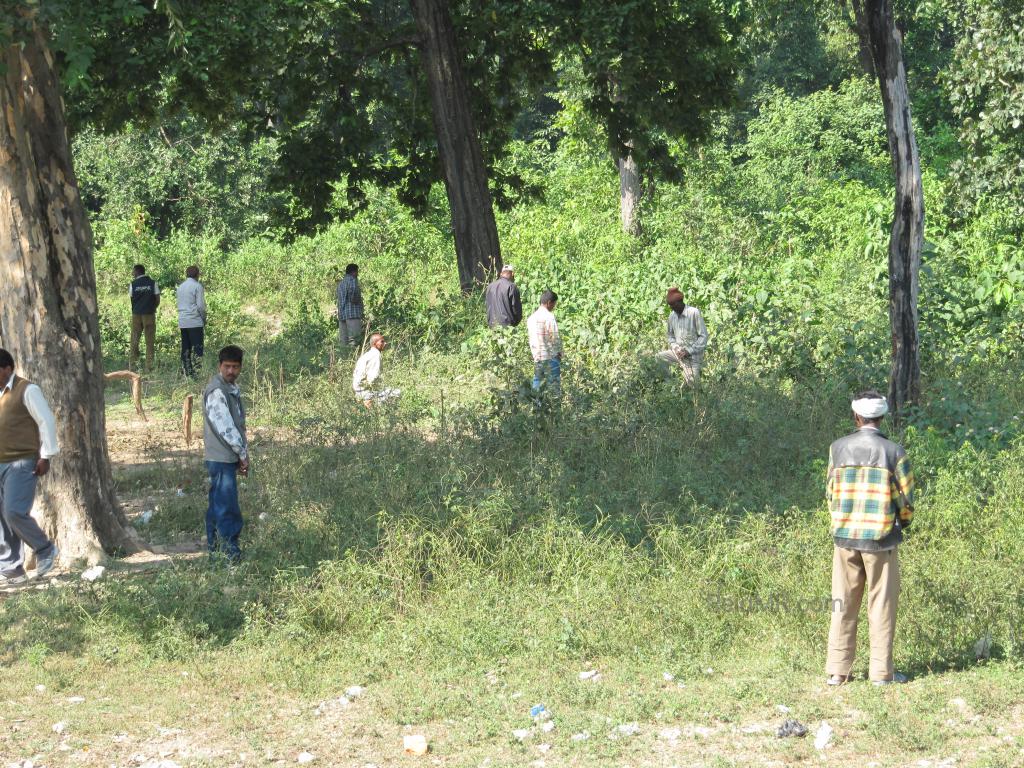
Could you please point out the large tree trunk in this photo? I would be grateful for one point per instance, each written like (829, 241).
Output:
(907, 236)
(630, 193)
(48, 317)
(465, 175)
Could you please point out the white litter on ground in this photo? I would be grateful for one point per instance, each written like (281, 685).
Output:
(823, 736)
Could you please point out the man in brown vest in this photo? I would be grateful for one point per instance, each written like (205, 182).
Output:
(28, 440)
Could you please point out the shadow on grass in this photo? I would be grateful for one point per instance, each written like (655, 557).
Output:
(656, 477)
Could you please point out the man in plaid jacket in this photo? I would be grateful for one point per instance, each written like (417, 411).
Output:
(870, 490)
(350, 308)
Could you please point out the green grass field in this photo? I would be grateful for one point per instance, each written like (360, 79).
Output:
(467, 555)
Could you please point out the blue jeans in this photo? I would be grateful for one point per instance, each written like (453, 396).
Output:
(223, 516)
(553, 368)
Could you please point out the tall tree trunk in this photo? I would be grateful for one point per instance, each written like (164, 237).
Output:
(631, 192)
(907, 236)
(860, 22)
(465, 175)
(48, 317)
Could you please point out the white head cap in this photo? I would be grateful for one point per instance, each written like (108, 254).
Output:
(508, 268)
(870, 407)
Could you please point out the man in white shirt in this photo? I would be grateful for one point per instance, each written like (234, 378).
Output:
(687, 337)
(366, 376)
(191, 320)
(546, 345)
(28, 440)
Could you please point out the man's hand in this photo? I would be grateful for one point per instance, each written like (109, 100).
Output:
(243, 467)
(681, 353)
(42, 467)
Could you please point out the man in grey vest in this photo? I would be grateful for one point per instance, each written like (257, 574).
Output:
(28, 440)
(227, 453)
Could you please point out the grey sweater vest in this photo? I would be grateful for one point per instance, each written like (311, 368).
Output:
(215, 447)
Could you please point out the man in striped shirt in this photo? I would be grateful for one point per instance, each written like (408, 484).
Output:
(870, 490)
(546, 345)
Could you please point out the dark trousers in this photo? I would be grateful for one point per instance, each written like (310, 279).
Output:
(191, 350)
(223, 516)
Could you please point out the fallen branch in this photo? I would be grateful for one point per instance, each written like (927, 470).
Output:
(136, 381)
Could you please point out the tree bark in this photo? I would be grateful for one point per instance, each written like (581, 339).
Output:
(630, 194)
(865, 57)
(48, 317)
(458, 145)
(907, 237)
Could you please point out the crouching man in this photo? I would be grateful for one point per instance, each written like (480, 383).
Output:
(366, 376)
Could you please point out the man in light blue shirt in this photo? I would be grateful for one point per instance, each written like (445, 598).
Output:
(191, 321)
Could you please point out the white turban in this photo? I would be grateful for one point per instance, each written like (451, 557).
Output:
(870, 407)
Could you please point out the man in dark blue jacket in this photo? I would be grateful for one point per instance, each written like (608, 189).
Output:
(145, 296)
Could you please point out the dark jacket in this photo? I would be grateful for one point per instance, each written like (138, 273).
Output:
(145, 295)
(504, 306)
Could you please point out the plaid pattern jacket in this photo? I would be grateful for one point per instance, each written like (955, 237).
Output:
(350, 299)
(870, 485)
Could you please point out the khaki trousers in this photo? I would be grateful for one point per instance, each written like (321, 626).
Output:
(142, 323)
(852, 570)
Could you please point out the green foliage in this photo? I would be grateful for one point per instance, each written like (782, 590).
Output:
(179, 176)
(986, 85)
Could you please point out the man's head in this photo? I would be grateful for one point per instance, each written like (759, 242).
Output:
(674, 298)
(192, 272)
(548, 299)
(229, 362)
(377, 341)
(508, 271)
(869, 408)
(6, 367)
(352, 269)
(138, 270)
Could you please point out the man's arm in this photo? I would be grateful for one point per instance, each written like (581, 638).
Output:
(555, 340)
(219, 414)
(201, 302)
(829, 478)
(156, 295)
(342, 294)
(903, 479)
(372, 370)
(516, 304)
(702, 336)
(39, 410)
